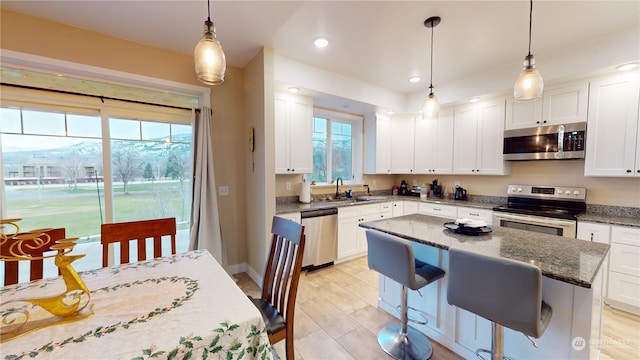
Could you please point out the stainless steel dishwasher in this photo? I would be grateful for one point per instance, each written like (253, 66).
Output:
(321, 232)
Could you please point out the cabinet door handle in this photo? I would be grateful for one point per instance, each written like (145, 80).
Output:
(628, 170)
(474, 214)
(591, 236)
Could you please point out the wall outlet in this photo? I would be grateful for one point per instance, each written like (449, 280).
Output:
(288, 186)
(223, 191)
(374, 182)
(415, 182)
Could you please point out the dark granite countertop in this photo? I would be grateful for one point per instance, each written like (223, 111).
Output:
(568, 260)
(289, 207)
(610, 219)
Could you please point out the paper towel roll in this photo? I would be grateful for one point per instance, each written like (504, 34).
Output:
(305, 193)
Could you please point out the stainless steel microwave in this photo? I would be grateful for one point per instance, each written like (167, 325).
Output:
(553, 142)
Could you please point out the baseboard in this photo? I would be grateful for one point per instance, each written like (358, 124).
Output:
(254, 275)
(237, 268)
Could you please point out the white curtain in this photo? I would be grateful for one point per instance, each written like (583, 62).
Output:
(205, 223)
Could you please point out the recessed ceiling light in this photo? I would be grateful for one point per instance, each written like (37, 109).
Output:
(474, 99)
(321, 42)
(415, 79)
(628, 66)
(389, 112)
(293, 89)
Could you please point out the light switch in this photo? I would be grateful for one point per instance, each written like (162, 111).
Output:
(223, 191)
(288, 185)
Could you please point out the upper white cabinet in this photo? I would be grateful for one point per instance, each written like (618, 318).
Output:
(402, 144)
(293, 138)
(613, 134)
(478, 141)
(434, 144)
(559, 105)
(377, 142)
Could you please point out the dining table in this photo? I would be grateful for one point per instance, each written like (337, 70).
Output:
(184, 306)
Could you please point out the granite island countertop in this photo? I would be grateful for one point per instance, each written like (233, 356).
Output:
(565, 259)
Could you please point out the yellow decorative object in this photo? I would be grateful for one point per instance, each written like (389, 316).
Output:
(21, 316)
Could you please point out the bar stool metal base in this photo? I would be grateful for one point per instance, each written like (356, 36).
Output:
(410, 346)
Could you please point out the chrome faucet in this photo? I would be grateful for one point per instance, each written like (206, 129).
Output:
(368, 190)
(338, 182)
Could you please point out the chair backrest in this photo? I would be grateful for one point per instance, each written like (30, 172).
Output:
(11, 268)
(280, 283)
(138, 232)
(393, 257)
(507, 292)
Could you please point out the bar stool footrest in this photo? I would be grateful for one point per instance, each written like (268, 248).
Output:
(490, 355)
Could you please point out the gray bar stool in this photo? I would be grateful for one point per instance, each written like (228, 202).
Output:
(503, 291)
(393, 257)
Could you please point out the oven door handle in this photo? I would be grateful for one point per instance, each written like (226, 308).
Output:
(535, 220)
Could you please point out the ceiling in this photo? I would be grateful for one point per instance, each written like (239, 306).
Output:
(382, 43)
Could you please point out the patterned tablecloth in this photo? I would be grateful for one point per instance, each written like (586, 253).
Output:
(179, 307)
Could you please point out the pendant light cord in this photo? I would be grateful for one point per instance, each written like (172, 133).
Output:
(530, 21)
(209, 18)
(431, 78)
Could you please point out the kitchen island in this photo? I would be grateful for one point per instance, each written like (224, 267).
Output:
(571, 286)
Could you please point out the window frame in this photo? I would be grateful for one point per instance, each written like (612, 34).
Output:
(357, 135)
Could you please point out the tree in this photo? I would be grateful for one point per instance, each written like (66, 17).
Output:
(148, 172)
(126, 164)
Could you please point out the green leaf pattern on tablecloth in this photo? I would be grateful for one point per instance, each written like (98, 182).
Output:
(245, 344)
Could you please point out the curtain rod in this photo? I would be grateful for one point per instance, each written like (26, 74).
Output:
(101, 97)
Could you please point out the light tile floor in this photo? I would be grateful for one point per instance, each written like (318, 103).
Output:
(337, 318)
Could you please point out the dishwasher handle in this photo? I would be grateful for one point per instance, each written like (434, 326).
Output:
(318, 212)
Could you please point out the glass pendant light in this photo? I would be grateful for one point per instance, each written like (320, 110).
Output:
(529, 84)
(209, 57)
(431, 106)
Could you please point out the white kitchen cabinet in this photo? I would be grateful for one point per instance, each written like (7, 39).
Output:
(475, 214)
(352, 240)
(478, 141)
(293, 135)
(397, 208)
(559, 105)
(410, 207)
(613, 133)
(597, 232)
(435, 209)
(377, 144)
(433, 152)
(624, 267)
(291, 216)
(402, 144)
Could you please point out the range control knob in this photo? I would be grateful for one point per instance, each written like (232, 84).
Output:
(519, 189)
(559, 191)
(576, 192)
(568, 192)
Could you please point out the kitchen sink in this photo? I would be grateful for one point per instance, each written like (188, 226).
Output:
(371, 197)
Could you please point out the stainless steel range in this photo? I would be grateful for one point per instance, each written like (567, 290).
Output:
(545, 209)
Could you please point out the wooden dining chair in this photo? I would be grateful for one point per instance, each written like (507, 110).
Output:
(124, 233)
(280, 282)
(36, 266)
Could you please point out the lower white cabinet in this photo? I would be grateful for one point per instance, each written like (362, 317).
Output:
(436, 209)
(410, 207)
(624, 270)
(475, 214)
(291, 216)
(352, 240)
(621, 269)
(597, 232)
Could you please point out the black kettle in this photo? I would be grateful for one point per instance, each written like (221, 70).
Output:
(460, 193)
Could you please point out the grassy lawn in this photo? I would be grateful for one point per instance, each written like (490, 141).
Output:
(78, 210)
